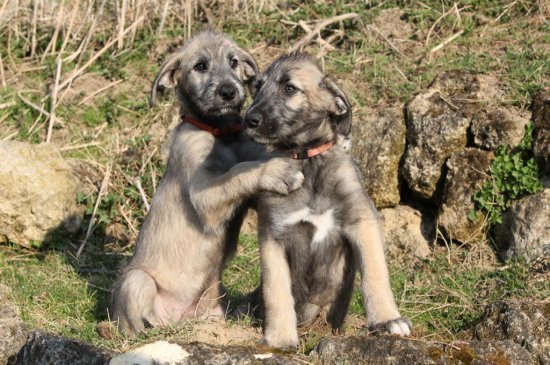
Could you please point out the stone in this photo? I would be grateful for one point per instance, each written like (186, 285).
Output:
(37, 193)
(524, 231)
(498, 126)
(162, 352)
(466, 172)
(250, 223)
(50, 349)
(437, 127)
(13, 331)
(379, 144)
(407, 234)
(392, 350)
(525, 323)
(541, 130)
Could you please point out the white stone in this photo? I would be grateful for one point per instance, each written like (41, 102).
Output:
(156, 353)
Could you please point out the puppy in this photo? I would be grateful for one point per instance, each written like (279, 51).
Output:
(195, 216)
(313, 239)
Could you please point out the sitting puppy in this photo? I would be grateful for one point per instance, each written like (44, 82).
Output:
(198, 208)
(313, 239)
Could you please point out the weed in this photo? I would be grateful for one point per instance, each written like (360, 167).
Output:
(513, 174)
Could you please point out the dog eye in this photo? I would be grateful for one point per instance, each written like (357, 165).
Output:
(201, 67)
(233, 62)
(289, 89)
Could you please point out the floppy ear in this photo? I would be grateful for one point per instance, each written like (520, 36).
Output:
(340, 110)
(250, 69)
(168, 76)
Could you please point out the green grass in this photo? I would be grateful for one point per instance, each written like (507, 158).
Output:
(442, 296)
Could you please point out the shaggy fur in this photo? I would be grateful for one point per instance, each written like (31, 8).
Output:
(313, 240)
(198, 208)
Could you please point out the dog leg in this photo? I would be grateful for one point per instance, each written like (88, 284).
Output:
(280, 328)
(133, 302)
(382, 312)
(216, 197)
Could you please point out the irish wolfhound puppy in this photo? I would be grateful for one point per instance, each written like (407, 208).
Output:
(198, 208)
(313, 239)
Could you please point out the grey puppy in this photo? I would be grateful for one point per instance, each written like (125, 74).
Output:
(198, 208)
(313, 240)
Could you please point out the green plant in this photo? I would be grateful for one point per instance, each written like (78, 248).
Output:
(514, 173)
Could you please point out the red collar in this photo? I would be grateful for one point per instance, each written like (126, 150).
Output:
(216, 132)
(307, 153)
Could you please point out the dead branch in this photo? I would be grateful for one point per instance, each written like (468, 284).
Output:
(317, 29)
(53, 103)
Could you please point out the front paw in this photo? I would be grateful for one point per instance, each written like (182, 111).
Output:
(401, 326)
(282, 176)
(282, 340)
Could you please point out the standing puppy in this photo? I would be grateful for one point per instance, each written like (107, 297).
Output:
(196, 213)
(313, 239)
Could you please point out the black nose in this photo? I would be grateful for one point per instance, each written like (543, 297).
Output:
(252, 120)
(227, 92)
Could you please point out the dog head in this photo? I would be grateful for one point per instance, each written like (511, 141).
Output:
(297, 105)
(210, 73)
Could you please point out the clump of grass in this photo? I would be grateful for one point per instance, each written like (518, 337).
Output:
(513, 174)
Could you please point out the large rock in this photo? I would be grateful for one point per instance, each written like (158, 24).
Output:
(48, 349)
(541, 132)
(525, 230)
(391, 350)
(37, 193)
(379, 143)
(498, 126)
(525, 323)
(407, 234)
(466, 173)
(13, 332)
(437, 125)
(162, 352)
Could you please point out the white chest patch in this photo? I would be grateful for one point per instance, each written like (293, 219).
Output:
(323, 222)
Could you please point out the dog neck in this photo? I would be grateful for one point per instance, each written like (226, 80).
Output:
(234, 128)
(311, 152)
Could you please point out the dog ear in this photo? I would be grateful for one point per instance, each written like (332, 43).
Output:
(250, 69)
(168, 76)
(340, 110)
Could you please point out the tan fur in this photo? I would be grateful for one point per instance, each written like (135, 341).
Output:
(192, 226)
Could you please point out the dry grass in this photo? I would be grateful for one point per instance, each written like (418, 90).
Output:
(78, 74)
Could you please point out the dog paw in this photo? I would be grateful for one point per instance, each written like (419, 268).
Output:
(401, 326)
(282, 176)
(282, 341)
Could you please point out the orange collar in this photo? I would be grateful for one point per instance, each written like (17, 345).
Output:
(307, 153)
(216, 132)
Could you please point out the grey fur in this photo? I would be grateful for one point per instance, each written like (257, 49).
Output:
(313, 240)
(198, 208)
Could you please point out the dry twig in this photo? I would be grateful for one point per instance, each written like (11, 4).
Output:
(100, 194)
(317, 29)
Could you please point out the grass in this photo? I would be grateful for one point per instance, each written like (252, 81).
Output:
(56, 292)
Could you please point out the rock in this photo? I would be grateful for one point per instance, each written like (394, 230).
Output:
(393, 350)
(465, 175)
(436, 128)
(541, 131)
(48, 349)
(525, 323)
(13, 332)
(379, 143)
(162, 352)
(498, 126)
(406, 234)
(37, 193)
(524, 231)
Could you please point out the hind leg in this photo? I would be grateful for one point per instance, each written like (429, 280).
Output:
(133, 302)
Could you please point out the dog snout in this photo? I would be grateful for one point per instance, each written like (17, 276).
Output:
(227, 92)
(252, 120)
